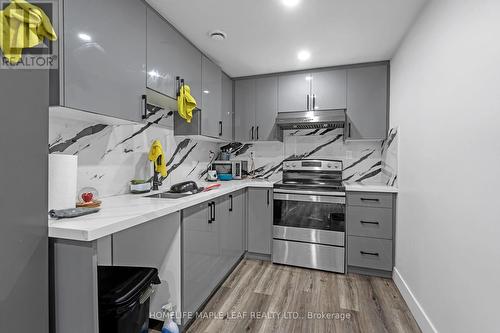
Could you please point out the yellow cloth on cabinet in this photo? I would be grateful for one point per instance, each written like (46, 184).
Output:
(155, 152)
(186, 103)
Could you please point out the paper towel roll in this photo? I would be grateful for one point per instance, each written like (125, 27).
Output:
(62, 181)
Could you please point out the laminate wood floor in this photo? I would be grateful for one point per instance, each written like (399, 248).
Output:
(261, 297)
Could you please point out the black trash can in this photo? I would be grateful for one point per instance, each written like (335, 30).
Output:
(124, 298)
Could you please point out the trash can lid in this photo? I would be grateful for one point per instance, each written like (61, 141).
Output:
(120, 285)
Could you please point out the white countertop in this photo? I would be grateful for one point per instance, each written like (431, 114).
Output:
(121, 212)
(370, 188)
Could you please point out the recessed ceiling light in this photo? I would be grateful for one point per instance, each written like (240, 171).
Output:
(206, 92)
(85, 37)
(218, 35)
(290, 3)
(303, 55)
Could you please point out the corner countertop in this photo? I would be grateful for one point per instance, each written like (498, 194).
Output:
(370, 188)
(125, 211)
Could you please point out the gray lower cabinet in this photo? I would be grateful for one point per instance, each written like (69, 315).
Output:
(212, 243)
(367, 102)
(227, 108)
(370, 232)
(104, 57)
(260, 220)
(256, 108)
(211, 99)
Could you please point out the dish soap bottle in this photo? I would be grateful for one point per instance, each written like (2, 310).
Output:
(169, 326)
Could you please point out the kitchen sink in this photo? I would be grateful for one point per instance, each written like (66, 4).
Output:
(169, 195)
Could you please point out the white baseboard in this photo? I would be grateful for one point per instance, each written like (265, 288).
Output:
(416, 309)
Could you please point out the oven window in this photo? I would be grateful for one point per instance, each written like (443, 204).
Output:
(314, 215)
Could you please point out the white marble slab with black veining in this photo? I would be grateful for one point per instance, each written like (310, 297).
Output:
(125, 211)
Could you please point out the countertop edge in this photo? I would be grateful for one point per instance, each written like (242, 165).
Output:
(75, 234)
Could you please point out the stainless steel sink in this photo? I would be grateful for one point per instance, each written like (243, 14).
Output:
(169, 195)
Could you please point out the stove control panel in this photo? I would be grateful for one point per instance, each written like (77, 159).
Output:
(313, 165)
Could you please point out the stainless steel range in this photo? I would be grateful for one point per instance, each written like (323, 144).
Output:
(309, 215)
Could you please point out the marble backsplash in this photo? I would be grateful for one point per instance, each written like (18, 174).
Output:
(365, 162)
(109, 156)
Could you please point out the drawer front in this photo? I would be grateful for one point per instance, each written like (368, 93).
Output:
(369, 253)
(368, 199)
(315, 256)
(369, 222)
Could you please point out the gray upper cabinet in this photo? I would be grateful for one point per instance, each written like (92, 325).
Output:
(244, 110)
(260, 220)
(367, 108)
(266, 108)
(255, 109)
(211, 100)
(294, 92)
(227, 107)
(170, 55)
(105, 57)
(328, 89)
(320, 90)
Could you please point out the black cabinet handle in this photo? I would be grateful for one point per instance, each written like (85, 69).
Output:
(349, 131)
(307, 101)
(220, 128)
(257, 132)
(210, 213)
(370, 199)
(314, 102)
(213, 205)
(144, 106)
(375, 254)
(369, 222)
(231, 203)
(268, 197)
(252, 132)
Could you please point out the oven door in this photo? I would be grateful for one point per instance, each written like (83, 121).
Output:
(310, 218)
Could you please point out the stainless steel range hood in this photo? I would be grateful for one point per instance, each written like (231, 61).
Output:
(311, 119)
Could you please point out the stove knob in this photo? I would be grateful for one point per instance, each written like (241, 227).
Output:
(287, 165)
(329, 165)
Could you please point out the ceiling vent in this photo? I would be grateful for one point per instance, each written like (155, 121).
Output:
(218, 35)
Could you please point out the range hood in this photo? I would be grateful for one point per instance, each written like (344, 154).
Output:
(311, 119)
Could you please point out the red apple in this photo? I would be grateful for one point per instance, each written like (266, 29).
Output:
(87, 196)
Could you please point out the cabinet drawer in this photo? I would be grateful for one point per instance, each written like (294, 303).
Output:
(369, 253)
(369, 222)
(369, 199)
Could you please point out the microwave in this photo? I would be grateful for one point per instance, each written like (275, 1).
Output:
(238, 169)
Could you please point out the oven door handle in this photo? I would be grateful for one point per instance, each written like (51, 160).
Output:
(306, 192)
(309, 198)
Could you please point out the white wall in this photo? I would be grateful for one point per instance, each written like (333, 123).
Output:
(446, 101)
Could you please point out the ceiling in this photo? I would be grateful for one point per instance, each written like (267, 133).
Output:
(265, 36)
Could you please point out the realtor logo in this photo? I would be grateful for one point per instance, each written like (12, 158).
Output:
(28, 34)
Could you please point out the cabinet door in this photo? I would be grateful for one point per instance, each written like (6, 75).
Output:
(232, 243)
(367, 103)
(244, 110)
(161, 54)
(211, 79)
(105, 56)
(294, 92)
(329, 90)
(154, 244)
(227, 107)
(260, 216)
(266, 110)
(200, 253)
